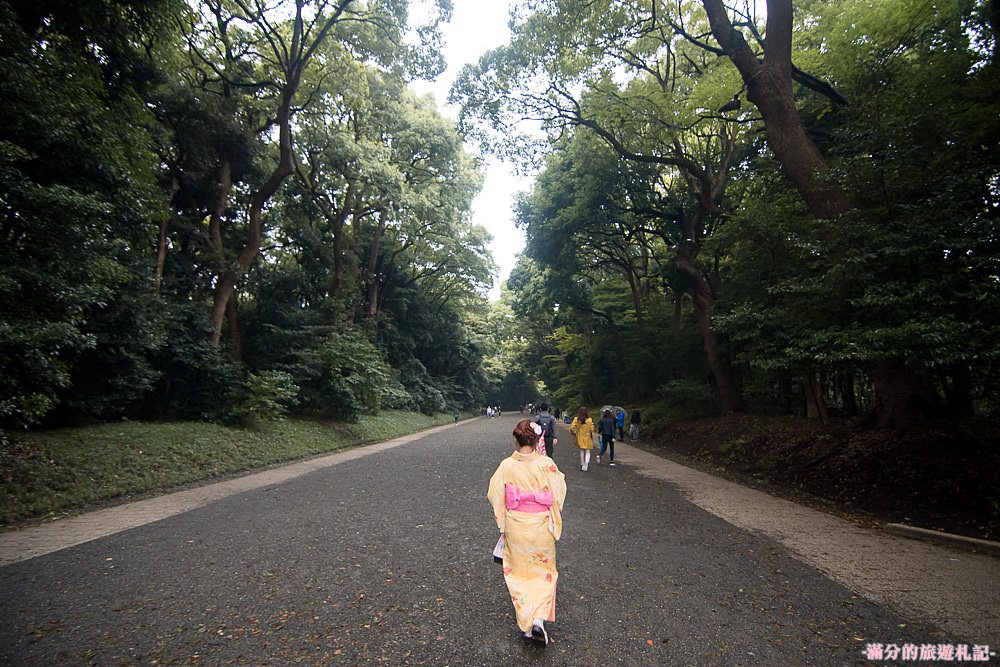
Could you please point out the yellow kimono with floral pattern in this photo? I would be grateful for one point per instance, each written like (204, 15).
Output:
(529, 554)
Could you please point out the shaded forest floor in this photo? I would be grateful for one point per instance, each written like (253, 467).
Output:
(929, 478)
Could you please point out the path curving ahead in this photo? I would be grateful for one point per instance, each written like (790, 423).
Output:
(381, 555)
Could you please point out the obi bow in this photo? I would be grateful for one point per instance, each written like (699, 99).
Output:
(528, 501)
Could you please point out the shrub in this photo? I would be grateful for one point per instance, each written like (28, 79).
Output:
(264, 397)
(344, 375)
(424, 394)
(198, 381)
(657, 416)
(687, 398)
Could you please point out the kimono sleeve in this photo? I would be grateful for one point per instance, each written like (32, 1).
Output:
(497, 495)
(557, 484)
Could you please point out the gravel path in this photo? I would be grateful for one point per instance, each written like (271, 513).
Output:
(381, 556)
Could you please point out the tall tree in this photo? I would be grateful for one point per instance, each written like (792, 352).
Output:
(768, 83)
(656, 119)
(251, 47)
(77, 182)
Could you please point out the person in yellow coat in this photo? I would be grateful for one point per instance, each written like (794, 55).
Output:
(583, 428)
(527, 493)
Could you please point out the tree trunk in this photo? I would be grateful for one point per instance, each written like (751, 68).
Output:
(296, 58)
(704, 305)
(161, 253)
(337, 224)
(729, 395)
(337, 281)
(225, 288)
(337, 217)
(226, 281)
(634, 287)
(846, 381)
(769, 87)
(356, 268)
(678, 314)
(957, 385)
(161, 246)
(815, 401)
(282, 170)
(373, 257)
(786, 398)
(233, 319)
(904, 395)
(703, 299)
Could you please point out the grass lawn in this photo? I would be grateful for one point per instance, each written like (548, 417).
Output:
(45, 474)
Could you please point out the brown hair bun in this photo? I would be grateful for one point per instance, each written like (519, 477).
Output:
(524, 433)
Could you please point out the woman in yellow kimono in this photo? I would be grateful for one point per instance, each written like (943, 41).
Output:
(527, 492)
(583, 428)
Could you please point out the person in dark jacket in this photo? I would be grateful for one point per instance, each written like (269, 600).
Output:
(606, 427)
(548, 424)
(633, 429)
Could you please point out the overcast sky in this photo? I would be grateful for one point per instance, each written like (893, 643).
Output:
(476, 26)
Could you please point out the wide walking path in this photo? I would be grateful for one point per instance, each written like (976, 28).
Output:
(381, 555)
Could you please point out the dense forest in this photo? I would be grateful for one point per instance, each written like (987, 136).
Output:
(228, 209)
(223, 210)
(792, 211)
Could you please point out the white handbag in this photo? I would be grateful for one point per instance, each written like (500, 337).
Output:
(498, 550)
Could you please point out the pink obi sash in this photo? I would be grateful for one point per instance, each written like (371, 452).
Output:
(528, 501)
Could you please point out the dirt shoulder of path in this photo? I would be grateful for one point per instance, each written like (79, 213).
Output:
(949, 587)
(929, 478)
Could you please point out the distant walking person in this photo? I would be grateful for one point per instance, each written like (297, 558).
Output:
(606, 427)
(583, 428)
(527, 493)
(620, 421)
(633, 428)
(548, 424)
